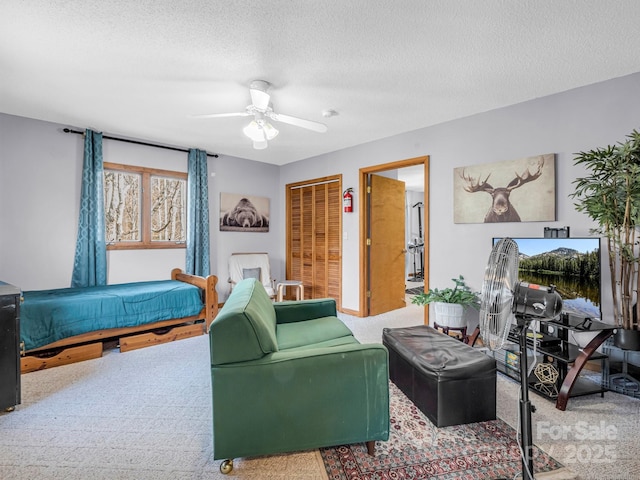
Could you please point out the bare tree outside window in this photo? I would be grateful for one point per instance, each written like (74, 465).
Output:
(144, 207)
(122, 206)
(167, 209)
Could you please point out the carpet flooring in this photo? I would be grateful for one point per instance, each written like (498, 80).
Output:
(417, 449)
(146, 415)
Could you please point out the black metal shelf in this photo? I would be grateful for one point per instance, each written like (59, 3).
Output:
(581, 387)
(567, 359)
(567, 353)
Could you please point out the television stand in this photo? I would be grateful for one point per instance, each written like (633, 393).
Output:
(568, 359)
(565, 324)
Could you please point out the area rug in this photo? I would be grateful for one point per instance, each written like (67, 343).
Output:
(416, 449)
(414, 291)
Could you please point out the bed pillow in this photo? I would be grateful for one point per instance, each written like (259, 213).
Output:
(251, 273)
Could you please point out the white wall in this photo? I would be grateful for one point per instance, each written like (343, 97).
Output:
(563, 124)
(40, 172)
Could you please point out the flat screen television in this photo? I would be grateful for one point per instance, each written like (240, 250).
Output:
(573, 265)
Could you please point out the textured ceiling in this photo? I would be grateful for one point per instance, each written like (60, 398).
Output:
(141, 69)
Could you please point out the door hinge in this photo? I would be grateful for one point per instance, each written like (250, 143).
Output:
(368, 293)
(368, 188)
(368, 242)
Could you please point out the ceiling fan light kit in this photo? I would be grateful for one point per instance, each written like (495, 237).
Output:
(260, 131)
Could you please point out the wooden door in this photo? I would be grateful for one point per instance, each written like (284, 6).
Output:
(387, 250)
(314, 237)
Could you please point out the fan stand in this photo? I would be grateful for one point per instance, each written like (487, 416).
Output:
(526, 408)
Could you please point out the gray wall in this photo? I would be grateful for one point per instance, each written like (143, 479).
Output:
(40, 175)
(563, 124)
(40, 171)
(237, 175)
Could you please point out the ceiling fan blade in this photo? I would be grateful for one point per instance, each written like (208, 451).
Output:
(222, 115)
(259, 96)
(298, 122)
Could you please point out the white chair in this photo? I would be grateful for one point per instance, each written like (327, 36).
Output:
(251, 265)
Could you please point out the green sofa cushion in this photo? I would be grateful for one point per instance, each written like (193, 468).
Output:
(333, 342)
(245, 327)
(299, 310)
(310, 332)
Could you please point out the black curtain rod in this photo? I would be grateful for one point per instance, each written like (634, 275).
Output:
(137, 142)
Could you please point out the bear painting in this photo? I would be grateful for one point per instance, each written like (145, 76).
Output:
(243, 213)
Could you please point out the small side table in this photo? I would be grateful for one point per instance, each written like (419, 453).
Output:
(290, 283)
(462, 330)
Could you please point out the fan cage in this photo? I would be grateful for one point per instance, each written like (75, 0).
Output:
(496, 314)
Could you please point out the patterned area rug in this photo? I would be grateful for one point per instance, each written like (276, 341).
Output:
(416, 449)
(414, 290)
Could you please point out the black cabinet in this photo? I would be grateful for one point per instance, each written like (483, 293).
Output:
(9, 346)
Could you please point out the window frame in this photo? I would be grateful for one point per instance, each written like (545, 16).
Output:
(145, 207)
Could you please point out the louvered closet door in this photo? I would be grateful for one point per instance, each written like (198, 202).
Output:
(314, 247)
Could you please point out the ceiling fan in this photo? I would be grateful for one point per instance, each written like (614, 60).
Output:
(259, 129)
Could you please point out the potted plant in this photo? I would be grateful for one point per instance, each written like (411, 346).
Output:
(449, 303)
(610, 196)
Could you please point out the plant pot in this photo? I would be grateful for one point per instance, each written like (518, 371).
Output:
(449, 315)
(627, 339)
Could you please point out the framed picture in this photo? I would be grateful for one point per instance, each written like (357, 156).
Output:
(243, 213)
(513, 191)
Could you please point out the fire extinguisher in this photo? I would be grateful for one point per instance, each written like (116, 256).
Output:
(347, 200)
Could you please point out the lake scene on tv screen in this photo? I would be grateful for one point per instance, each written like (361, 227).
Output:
(571, 264)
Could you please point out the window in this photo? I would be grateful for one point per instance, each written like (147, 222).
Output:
(144, 207)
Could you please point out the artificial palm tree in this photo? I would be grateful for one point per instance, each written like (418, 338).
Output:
(610, 196)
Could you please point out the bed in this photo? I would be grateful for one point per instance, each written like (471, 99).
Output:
(67, 325)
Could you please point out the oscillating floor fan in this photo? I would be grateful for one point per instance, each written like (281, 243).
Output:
(503, 298)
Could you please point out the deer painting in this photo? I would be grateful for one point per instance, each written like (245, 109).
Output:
(501, 209)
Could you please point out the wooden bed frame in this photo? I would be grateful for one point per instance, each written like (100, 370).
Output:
(91, 345)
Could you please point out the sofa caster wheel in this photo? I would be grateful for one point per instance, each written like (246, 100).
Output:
(226, 467)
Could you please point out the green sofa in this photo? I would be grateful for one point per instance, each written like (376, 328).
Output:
(290, 376)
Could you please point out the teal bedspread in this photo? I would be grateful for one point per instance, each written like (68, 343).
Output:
(47, 316)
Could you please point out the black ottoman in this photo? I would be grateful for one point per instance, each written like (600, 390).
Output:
(451, 382)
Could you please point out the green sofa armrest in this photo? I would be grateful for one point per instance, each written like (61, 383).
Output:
(300, 310)
(301, 399)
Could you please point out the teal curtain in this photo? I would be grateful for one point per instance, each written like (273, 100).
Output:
(90, 261)
(197, 262)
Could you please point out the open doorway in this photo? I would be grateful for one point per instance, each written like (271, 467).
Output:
(413, 178)
(372, 254)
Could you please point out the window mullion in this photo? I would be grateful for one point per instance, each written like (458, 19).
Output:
(146, 208)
